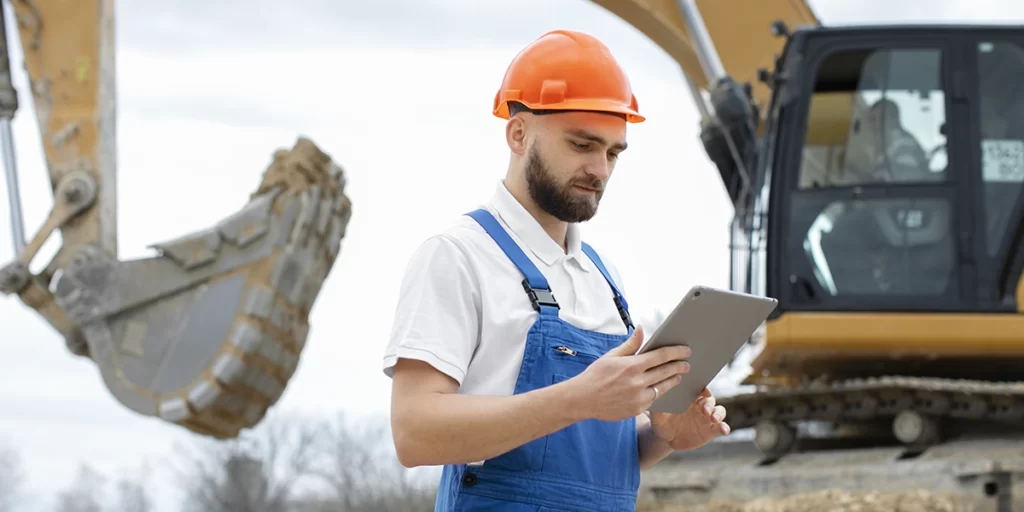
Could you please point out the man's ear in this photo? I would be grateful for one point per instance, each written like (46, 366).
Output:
(515, 135)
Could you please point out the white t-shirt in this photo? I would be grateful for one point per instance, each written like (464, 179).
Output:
(462, 307)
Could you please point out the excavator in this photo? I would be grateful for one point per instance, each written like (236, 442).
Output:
(877, 179)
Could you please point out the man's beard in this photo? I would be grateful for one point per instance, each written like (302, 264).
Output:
(557, 200)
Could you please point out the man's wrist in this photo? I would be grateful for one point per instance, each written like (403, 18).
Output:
(657, 437)
(568, 400)
(653, 448)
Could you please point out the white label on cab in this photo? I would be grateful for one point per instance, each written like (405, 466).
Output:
(1002, 161)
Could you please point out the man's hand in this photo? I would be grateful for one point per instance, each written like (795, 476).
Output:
(619, 384)
(693, 428)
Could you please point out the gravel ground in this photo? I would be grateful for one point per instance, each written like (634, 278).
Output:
(828, 501)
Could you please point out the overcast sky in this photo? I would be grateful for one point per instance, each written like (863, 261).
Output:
(208, 90)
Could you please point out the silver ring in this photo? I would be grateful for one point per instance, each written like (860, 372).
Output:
(655, 388)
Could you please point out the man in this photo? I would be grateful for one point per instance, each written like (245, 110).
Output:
(899, 156)
(512, 351)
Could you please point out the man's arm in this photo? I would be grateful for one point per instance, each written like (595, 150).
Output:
(651, 447)
(432, 425)
(433, 339)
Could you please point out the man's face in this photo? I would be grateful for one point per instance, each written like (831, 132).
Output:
(884, 116)
(570, 162)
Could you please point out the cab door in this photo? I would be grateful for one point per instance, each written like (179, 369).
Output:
(868, 213)
(993, 60)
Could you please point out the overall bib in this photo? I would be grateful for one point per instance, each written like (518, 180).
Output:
(590, 466)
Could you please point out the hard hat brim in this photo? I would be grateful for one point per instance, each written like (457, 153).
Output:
(589, 105)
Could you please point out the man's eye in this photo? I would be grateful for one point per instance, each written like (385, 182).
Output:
(578, 145)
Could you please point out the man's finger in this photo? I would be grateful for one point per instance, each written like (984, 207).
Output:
(722, 428)
(663, 355)
(708, 406)
(665, 371)
(718, 414)
(631, 345)
(666, 385)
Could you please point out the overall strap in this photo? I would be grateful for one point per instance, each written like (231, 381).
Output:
(534, 282)
(620, 300)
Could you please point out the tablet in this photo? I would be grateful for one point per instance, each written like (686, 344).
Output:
(715, 324)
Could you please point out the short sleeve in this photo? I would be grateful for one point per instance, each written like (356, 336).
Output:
(438, 313)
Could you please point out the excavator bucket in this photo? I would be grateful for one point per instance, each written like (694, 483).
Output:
(208, 333)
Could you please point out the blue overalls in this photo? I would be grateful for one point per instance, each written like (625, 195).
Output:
(590, 466)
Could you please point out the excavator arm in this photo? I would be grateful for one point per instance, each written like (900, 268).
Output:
(712, 39)
(723, 48)
(70, 66)
(208, 332)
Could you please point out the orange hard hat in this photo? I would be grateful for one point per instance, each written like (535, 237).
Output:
(567, 70)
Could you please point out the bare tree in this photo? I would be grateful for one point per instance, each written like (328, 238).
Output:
(253, 473)
(85, 494)
(12, 477)
(353, 462)
(132, 492)
(358, 463)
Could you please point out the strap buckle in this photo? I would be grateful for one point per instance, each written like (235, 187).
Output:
(539, 296)
(623, 313)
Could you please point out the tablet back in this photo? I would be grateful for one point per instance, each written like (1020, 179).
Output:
(715, 324)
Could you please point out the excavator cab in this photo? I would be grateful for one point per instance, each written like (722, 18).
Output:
(893, 163)
(886, 200)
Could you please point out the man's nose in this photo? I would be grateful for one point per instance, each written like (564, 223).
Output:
(601, 169)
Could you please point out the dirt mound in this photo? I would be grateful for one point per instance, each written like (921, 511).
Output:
(831, 500)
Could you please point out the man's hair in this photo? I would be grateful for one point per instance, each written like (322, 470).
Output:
(886, 108)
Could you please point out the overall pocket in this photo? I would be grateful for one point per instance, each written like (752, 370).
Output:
(600, 452)
(568, 361)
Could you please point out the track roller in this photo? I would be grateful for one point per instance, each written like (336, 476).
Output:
(774, 438)
(915, 430)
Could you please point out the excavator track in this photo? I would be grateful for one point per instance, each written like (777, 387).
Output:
(918, 406)
(977, 467)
